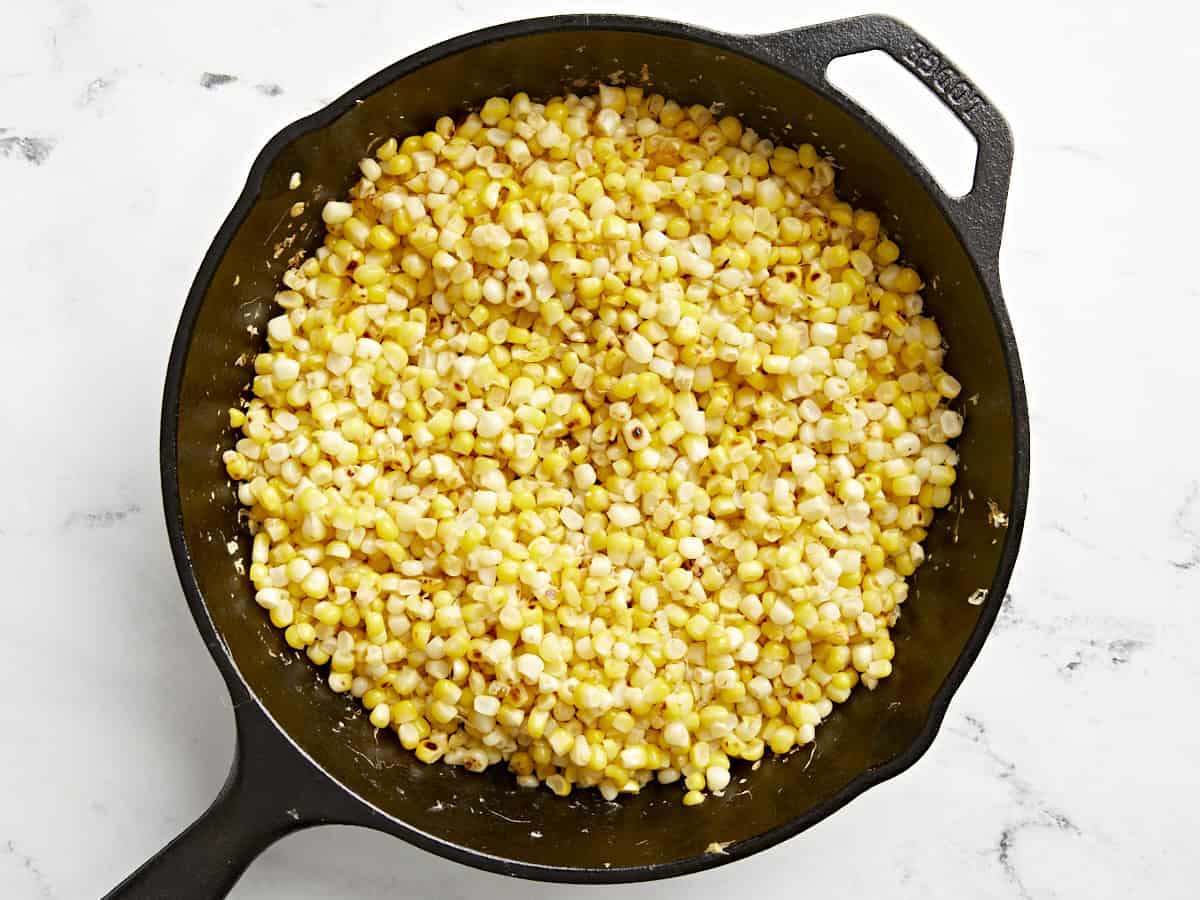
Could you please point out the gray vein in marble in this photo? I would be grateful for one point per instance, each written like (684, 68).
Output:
(269, 89)
(1065, 532)
(1078, 634)
(55, 53)
(71, 13)
(33, 150)
(1117, 652)
(1187, 530)
(1009, 617)
(1035, 812)
(29, 865)
(1092, 547)
(1081, 152)
(102, 518)
(211, 80)
(96, 89)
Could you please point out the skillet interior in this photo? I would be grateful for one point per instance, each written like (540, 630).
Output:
(486, 813)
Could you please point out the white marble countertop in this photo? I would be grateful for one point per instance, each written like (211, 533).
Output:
(1066, 767)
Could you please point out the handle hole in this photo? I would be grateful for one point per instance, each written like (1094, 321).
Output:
(910, 110)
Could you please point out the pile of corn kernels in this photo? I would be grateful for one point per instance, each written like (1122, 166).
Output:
(598, 438)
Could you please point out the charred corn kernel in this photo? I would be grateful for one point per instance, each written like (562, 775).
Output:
(429, 751)
(599, 437)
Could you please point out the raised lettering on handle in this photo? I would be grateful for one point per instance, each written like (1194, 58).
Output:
(929, 66)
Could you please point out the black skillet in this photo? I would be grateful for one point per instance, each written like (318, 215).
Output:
(306, 756)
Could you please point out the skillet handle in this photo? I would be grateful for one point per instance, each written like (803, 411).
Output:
(205, 861)
(979, 214)
(272, 790)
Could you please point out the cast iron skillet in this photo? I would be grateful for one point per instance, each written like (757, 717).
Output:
(306, 756)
